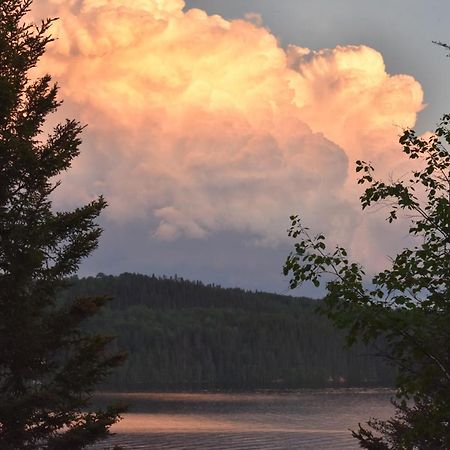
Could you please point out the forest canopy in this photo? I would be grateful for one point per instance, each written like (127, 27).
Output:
(181, 334)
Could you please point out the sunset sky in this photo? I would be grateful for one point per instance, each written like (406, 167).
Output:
(210, 122)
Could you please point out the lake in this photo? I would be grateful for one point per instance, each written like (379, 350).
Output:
(304, 419)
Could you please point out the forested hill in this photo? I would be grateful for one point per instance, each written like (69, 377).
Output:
(176, 293)
(186, 335)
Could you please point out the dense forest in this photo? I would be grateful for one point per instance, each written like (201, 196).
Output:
(186, 335)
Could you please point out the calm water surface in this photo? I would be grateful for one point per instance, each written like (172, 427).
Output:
(306, 419)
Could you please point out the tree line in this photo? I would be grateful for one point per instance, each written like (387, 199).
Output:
(181, 334)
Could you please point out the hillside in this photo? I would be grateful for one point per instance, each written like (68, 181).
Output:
(186, 335)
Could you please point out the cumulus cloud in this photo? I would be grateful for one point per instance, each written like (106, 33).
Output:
(200, 125)
(347, 94)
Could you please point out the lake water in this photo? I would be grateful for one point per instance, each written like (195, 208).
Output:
(306, 419)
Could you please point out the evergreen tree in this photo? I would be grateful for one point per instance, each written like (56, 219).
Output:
(48, 367)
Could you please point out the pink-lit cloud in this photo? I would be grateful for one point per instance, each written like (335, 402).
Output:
(201, 125)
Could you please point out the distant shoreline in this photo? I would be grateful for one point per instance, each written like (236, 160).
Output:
(340, 389)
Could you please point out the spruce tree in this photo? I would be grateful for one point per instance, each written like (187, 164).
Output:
(48, 365)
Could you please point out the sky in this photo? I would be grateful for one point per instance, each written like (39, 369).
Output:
(211, 122)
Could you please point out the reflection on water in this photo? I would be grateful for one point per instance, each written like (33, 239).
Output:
(307, 419)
